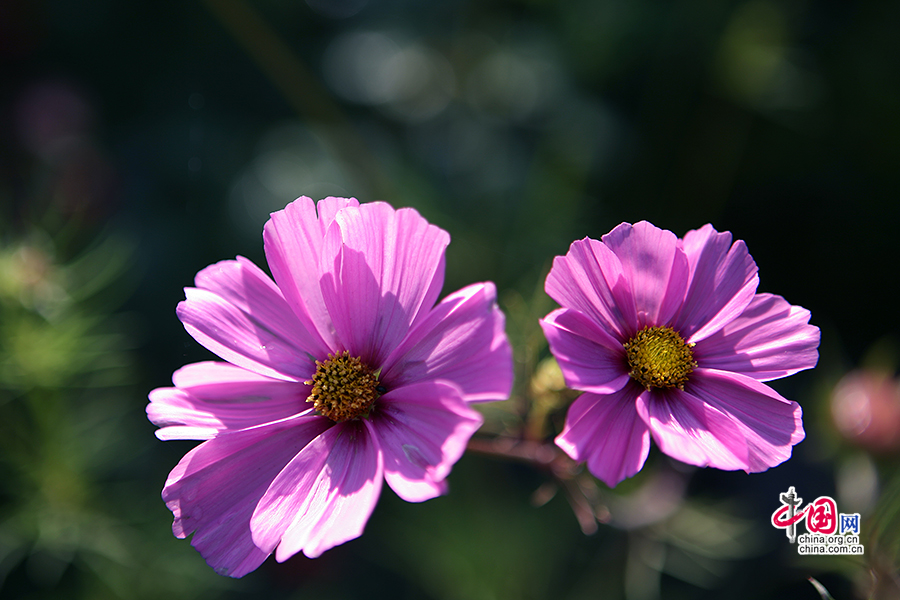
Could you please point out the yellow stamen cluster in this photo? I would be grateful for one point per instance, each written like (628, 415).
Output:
(344, 387)
(658, 357)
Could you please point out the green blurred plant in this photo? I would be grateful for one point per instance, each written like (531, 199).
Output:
(57, 359)
(66, 371)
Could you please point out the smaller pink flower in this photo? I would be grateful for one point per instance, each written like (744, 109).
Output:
(668, 339)
(865, 405)
(339, 375)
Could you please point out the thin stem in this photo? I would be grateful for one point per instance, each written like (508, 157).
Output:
(580, 491)
(297, 84)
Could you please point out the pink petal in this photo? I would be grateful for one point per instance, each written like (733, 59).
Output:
(461, 340)
(605, 431)
(210, 380)
(238, 313)
(324, 496)
(293, 240)
(723, 282)
(213, 490)
(200, 412)
(692, 431)
(654, 266)
(422, 430)
(241, 339)
(245, 286)
(591, 280)
(590, 359)
(769, 424)
(384, 267)
(177, 414)
(769, 340)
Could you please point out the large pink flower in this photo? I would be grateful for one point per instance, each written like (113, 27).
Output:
(668, 339)
(340, 374)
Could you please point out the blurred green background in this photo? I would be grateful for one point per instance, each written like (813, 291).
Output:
(141, 141)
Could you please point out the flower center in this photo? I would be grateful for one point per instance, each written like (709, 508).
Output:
(659, 357)
(344, 387)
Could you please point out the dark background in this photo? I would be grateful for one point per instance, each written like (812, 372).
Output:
(141, 141)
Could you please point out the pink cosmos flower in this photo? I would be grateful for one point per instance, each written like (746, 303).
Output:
(340, 374)
(668, 339)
